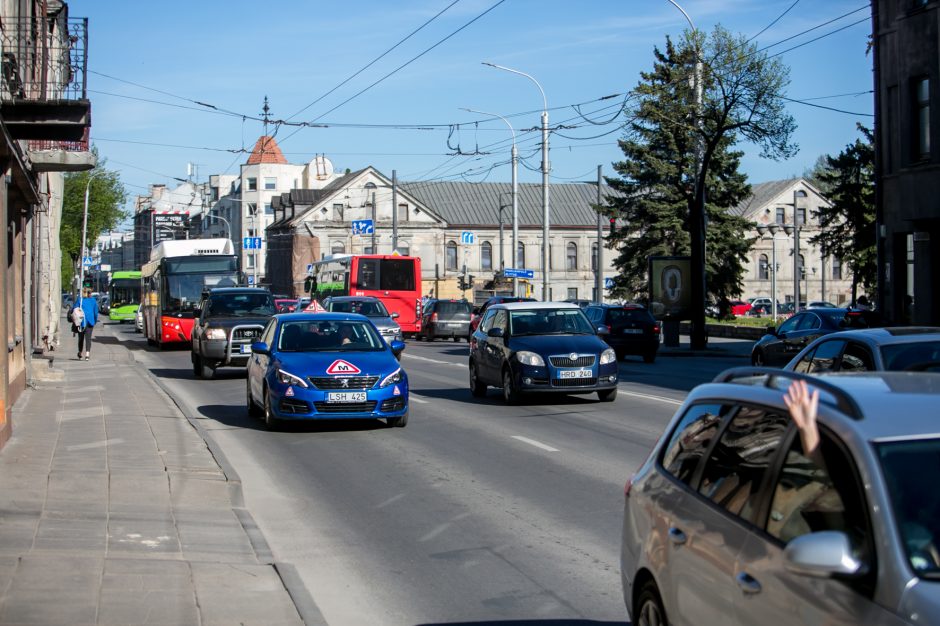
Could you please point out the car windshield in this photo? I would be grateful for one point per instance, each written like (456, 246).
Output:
(916, 356)
(369, 308)
(329, 336)
(549, 322)
(241, 305)
(908, 467)
(446, 308)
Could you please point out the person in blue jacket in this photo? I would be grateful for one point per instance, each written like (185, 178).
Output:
(84, 323)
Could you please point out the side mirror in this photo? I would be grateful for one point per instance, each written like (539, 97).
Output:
(494, 332)
(822, 554)
(395, 315)
(602, 330)
(260, 347)
(397, 347)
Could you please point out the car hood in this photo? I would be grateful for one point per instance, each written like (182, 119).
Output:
(317, 363)
(558, 344)
(383, 322)
(229, 322)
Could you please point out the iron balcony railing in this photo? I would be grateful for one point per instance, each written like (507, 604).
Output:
(65, 146)
(43, 59)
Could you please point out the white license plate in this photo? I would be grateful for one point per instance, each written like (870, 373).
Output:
(246, 349)
(632, 331)
(575, 374)
(346, 396)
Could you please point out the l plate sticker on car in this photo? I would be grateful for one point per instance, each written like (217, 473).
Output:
(339, 367)
(289, 392)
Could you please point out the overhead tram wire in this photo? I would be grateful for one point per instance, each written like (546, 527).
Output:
(806, 43)
(769, 26)
(817, 27)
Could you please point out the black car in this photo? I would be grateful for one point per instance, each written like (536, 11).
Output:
(445, 318)
(228, 321)
(781, 344)
(631, 329)
(480, 310)
(540, 346)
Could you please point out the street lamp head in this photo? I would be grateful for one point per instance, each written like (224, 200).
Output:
(761, 230)
(788, 229)
(773, 228)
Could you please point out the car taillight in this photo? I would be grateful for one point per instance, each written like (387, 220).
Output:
(608, 328)
(434, 318)
(655, 329)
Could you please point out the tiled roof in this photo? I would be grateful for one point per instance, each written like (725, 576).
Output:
(266, 150)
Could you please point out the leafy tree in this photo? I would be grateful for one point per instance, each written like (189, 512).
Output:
(658, 181)
(848, 224)
(105, 201)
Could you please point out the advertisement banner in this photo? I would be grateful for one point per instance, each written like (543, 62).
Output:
(670, 287)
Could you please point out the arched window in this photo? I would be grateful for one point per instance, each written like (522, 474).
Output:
(594, 256)
(486, 255)
(802, 268)
(571, 256)
(337, 247)
(520, 255)
(451, 255)
(836, 268)
(763, 267)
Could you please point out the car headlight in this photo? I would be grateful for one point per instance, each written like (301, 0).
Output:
(608, 356)
(215, 333)
(530, 358)
(289, 379)
(391, 379)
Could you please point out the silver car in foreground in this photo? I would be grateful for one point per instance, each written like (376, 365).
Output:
(728, 522)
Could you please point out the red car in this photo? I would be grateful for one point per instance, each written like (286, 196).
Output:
(739, 307)
(285, 305)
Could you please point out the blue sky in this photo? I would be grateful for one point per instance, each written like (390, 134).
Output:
(232, 54)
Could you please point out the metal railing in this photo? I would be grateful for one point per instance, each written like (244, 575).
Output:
(65, 146)
(42, 60)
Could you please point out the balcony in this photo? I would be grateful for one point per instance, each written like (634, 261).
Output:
(43, 64)
(61, 156)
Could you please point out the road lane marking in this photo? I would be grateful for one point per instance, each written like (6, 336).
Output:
(435, 361)
(651, 397)
(533, 442)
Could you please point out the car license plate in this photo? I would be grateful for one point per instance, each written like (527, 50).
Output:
(574, 374)
(346, 396)
(632, 331)
(246, 349)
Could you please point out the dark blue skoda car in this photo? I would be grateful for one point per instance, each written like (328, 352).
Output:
(540, 346)
(326, 366)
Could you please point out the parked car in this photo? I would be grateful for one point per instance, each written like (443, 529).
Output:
(313, 366)
(371, 307)
(761, 301)
(477, 312)
(729, 521)
(580, 302)
(228, 320)
(739, 307)
(903, 348)
(104, 303)
(540, 346)
(631, 329)
(821, 304)
(449, 319)
(760, 310)
(781, 344)
(139, 320)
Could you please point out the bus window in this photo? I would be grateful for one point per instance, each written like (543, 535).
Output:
(367, 277)
(397, 275)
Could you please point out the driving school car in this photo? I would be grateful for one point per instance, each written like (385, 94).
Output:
(311, 366)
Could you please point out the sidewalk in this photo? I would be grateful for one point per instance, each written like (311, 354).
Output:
(114, 511)
(717, 347)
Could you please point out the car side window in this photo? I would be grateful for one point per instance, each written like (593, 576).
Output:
(790, 324)
(268, 335)
(736, 465)
(691, 439)
(487, 322)
(825, 358)
(857, 358)
(809, 322)
(501, 320)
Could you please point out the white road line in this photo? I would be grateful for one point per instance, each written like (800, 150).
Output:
(533, 442)
(649, 397)
(412, 397)
(435, 361)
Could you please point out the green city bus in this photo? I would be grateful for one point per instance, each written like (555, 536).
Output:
(125, 295)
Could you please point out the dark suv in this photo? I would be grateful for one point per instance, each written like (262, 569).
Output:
(228, 321)
(445, 318)
(631, 329)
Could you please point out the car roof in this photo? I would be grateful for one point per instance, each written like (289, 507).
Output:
(890, 335)
(625, 305)
(541, 306)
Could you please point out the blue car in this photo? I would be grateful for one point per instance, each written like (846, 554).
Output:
(312, 366)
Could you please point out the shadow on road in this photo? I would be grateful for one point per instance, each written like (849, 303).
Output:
(237, 416)
(494, 397)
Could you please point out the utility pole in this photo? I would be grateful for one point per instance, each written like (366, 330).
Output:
(599, 274)
(394, 211)
(374, 249)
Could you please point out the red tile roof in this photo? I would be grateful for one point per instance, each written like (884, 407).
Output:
(266, 150)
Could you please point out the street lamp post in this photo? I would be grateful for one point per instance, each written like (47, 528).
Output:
(795, 229)
(546, 215)
(227, 225)
(515, 202)
(773, 229)
(81, 264)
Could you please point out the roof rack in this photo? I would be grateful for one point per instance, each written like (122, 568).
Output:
(843, 401)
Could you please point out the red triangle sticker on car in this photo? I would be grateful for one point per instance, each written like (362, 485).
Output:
(339, 366)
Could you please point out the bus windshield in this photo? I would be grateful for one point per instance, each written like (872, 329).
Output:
(386, 274)
(185, 290)
(125, 291)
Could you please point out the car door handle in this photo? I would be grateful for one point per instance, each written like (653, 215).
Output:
(677, 537)
(747, 583)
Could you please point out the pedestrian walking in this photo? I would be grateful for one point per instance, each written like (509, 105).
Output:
(84, 317)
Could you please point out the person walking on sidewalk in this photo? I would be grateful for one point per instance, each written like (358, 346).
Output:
(84, 324)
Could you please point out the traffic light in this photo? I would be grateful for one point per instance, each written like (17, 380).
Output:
(461, 283)
(470, 282)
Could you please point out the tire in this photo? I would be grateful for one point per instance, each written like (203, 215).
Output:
(649, 609)
(607, 395)
(649, 357)
(477, 387)
(197, 368)
(270, 422)
(205, 371)
(253, 409)
(757, 359)
(397, 422)
(511, 395)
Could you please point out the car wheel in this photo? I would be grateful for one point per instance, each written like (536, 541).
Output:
(270, 422)
(510, 393)
(649, 357)
(253, 409)
(205, 371)
(649, 608)
(197, 368)
(477, 387)
(757, 359)
(607, 395)
(397, 422)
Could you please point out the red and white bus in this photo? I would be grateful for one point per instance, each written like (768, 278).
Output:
(394, 279)
(173, 281)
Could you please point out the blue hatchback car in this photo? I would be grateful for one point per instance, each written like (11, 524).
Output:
(326, 366)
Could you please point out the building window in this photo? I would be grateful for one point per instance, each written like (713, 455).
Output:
(252, 184)
(571, 256)
(781, 215)
(338, 211)
(836, 268)
(268, 209)
(252, 208)
(801, 212)
(337, 247)
(520, 255)
(403, 212)
(572, 293)
(922, 117)
(802, 268)
(250, 261)
(594, 256)
(403, 248)
(270, 183)
(763, 268)
(251, 232)
(451, 255)
(367, 250)
(486, 255)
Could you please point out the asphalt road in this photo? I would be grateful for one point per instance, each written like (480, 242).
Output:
(476, 512)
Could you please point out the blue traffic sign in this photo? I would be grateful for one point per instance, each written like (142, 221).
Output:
(362, 227)
(251, 280)
(86, 260)
(466, 237)
(251, 243)
(608, 283)
(517, 273)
